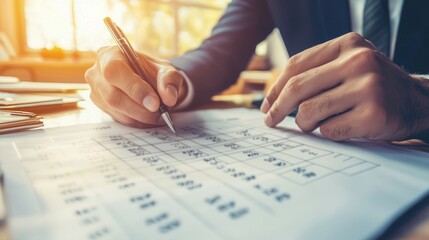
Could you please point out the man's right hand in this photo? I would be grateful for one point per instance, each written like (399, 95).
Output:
(125, 96)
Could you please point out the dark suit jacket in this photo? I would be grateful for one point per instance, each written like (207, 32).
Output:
(217, 63)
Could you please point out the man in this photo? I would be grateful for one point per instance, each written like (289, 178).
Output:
(339, 81)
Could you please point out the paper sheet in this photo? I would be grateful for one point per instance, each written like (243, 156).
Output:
(224, 176)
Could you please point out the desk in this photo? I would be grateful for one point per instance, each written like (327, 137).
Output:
(39, 69)
(415, 226)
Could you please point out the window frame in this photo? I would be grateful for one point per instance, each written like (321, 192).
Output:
(175, 5)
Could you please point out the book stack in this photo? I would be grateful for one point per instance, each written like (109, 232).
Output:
(13, 121)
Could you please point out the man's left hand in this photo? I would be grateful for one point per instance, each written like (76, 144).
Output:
(350, 90)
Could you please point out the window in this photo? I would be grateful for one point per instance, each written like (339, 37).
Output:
(159, 27)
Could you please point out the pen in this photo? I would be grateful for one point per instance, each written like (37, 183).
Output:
(2, 199)
(135, 63)
(17, 113)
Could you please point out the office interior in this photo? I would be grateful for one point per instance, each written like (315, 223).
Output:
(52, 41)
(56, 41)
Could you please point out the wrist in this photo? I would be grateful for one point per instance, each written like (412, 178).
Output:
(420, 104)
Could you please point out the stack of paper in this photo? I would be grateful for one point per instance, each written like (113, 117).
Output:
(46, 87)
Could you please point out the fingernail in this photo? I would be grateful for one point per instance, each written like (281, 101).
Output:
(268, 119)
(172, 91)
(150, 102)
(265, 106)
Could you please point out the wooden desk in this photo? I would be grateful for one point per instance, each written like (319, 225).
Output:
(413, 225)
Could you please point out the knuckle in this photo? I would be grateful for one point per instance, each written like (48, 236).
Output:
(335, 132)
(336, 47)
(294, 85)
(294, 61)
(306, 110)
(303, 123)
(305, 117)
(365, 58)
(353, 38)
(300, 122)
(325, 103)
(326, 131)
(111, 67)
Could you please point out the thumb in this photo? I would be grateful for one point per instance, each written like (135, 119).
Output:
(169, 82)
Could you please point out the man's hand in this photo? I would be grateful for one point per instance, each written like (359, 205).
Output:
(350, 90)
(121, 93)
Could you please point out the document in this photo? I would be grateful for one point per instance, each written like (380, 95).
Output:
(224, 176)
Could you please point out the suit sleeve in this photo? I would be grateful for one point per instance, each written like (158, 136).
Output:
(216, 64)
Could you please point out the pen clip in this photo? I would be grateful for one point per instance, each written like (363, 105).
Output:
(131, 56)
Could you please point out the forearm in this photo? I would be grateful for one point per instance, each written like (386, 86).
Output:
(219, 60)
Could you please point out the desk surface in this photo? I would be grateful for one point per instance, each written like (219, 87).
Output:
(414, 225)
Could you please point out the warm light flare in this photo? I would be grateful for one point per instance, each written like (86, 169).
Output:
(159, 27)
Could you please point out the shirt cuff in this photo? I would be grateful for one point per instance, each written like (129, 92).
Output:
(190, 95)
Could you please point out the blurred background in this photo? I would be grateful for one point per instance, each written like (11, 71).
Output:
(56, 40)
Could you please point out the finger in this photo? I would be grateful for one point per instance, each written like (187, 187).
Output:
(118, 73)
(118, 116)
(296, 65)
(342, 127)
(328, 104)
(311, 58)
(169, 83)
(117, 100)
(302, 87)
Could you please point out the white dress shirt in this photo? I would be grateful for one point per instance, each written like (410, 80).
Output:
(395, 8)
(356, 15)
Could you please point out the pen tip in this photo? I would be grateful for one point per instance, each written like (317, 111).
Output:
(168, 121)
(173, 129)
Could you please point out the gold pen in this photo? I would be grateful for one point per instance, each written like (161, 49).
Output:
(17, 113)
(135, 63)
